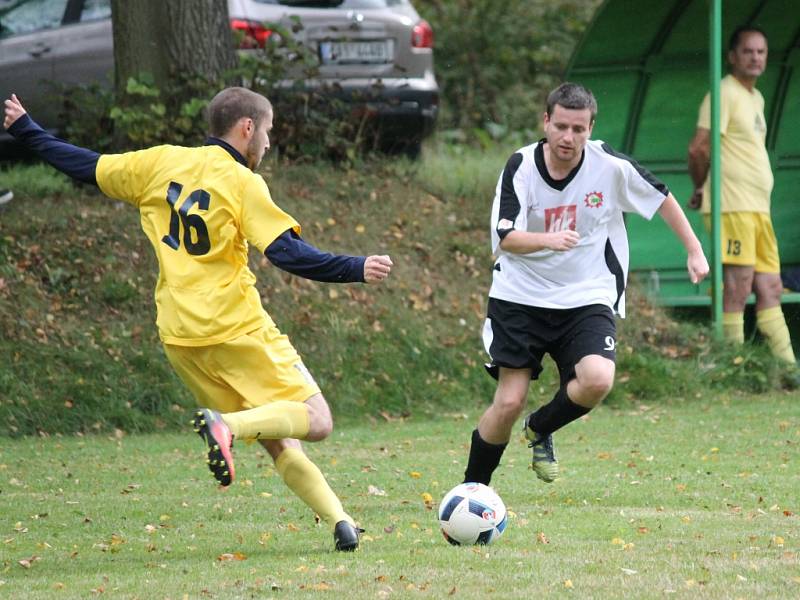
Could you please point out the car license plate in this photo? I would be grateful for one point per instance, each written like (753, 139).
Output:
(367, 51)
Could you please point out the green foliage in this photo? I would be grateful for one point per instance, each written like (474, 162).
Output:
(146, 115)
(116, 292)
(94, 116)
(496, 61)
(452, 171)
(84, 116)
(31, 182)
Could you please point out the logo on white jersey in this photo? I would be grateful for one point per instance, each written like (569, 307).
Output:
(593, 199)
(504, 224)
(560, 218)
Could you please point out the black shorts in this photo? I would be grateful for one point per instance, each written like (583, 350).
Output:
(517, 336)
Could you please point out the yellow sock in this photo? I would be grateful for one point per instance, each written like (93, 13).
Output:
(772, 325)
(274, 421)
(733, 327)
(306, 480)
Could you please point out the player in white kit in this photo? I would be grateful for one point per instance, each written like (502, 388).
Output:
(560, 274)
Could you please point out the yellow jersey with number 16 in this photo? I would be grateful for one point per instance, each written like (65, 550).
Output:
(199, 208)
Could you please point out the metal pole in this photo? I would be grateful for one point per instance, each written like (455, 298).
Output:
(715, 70)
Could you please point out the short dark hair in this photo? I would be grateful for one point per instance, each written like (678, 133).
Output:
(573, 96)
(233, 103)
(736, 36)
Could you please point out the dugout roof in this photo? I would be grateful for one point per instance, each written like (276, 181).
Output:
(647, 62)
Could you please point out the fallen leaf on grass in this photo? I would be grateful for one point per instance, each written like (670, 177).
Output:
(231, 556)
(414, 474)
(375, 491)
(568, 584)
(541, 538)
(27, 562)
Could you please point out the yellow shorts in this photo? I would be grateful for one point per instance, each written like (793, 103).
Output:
(747, 239)
(249, 371)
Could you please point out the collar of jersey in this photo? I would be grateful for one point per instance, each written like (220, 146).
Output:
(541, 166)
(212, 141)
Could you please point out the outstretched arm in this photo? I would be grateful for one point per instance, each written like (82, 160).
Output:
(673, 215)
(78, 163)
(294, 255)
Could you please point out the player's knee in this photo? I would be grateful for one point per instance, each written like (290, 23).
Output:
(510, 405)
(320, 426)
(326, 427)
(770, 288)
(596, 386)
(320, 421)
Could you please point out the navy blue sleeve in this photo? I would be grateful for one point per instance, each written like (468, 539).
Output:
(78, 163)
(294, 255)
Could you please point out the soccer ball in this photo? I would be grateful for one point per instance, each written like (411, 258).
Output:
(472, 513)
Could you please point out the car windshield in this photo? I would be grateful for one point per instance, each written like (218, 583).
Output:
(31, 15)
(354, 4)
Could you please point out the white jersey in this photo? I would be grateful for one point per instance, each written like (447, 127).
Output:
(590, 200)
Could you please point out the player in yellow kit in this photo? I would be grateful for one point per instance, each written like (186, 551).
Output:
(748, 247)
(200, 208)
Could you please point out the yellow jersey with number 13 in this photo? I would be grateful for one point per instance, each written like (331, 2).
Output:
(746, 173)
(199, 208)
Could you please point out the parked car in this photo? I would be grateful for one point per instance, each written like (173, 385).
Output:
(375, 52)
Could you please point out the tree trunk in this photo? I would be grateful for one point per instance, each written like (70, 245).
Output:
(181, 39)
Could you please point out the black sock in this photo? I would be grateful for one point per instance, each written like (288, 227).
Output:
(483, 459)
(555, 414)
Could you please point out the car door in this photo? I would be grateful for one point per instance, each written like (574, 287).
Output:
(84, 50)
(27, 32)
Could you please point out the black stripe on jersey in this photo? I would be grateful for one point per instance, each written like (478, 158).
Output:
(509, 202)
(541, 166)
(616, 270)
(646, 175)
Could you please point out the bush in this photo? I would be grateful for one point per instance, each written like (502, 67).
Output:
(496, 61)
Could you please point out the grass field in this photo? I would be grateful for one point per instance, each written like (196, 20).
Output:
(686, 500)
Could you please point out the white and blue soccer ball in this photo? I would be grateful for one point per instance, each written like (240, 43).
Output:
(472, 513)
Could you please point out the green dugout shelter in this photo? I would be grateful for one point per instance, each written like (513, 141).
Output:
(648, 64)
